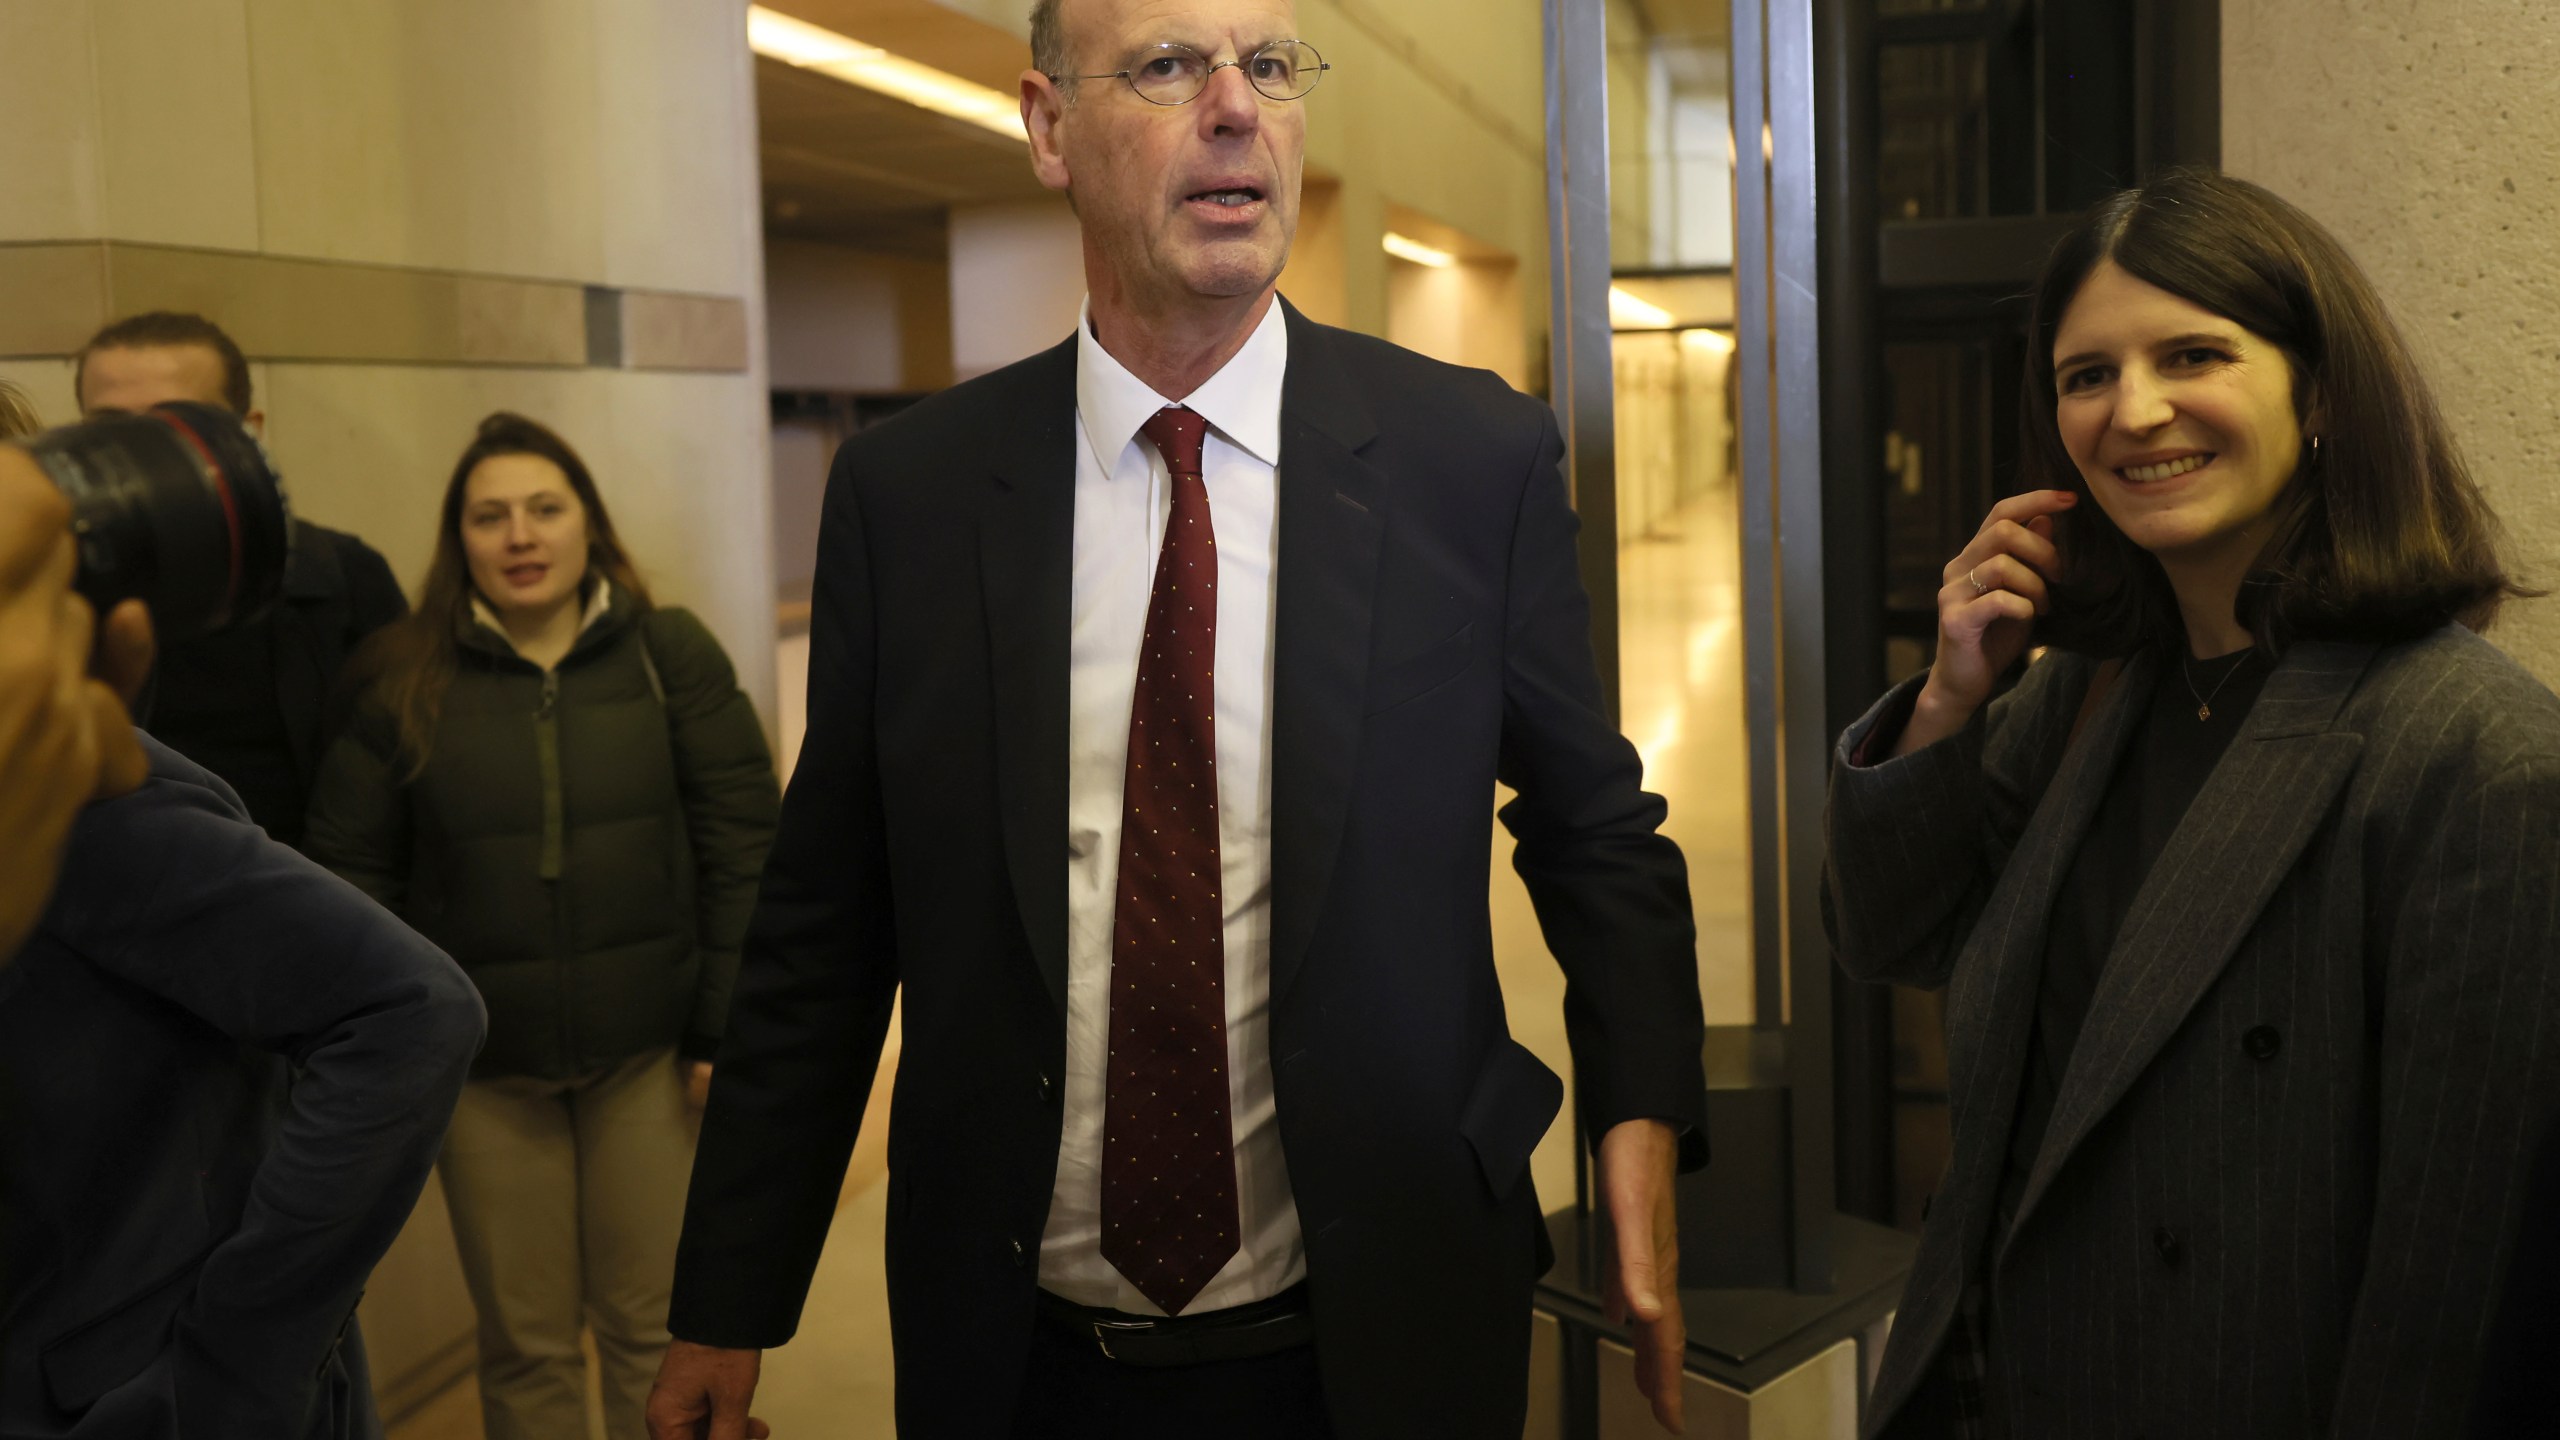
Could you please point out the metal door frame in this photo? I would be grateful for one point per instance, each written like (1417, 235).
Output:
(1778, 272)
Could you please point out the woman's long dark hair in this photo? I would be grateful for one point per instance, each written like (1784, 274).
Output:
(408, 665)
(2381, 535)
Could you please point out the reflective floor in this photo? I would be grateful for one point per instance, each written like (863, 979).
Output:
(1679, 637)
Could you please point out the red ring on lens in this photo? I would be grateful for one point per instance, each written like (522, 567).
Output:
(230, 506)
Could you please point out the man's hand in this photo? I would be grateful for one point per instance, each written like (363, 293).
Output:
(702, 1394)
(1637, 1161)
(697, 1085)
(65, 737)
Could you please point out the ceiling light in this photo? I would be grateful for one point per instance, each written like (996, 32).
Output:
(1415, 251)
(1626, 312)
(1715, 341)
(777, 36)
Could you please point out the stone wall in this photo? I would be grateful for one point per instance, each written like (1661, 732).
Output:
(2426, 133)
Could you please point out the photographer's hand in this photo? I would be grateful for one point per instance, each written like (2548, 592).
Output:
(65, 736)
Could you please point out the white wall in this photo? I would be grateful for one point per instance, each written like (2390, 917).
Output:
(1466, 314)
(2426, 135)
(840, 319)
(1017, 282)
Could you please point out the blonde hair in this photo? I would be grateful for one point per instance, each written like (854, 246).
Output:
(17, 416)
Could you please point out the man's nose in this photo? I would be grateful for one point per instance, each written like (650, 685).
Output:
(1229, 103)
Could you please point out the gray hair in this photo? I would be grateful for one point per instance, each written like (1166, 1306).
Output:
(1049, 40)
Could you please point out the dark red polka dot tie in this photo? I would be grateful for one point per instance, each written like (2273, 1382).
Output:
(1168, 1154)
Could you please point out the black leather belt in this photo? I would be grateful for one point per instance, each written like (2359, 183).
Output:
(1241, 1332)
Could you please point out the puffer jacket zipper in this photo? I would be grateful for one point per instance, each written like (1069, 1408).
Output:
(546, 740)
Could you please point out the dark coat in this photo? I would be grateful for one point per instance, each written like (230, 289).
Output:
(1431, 638)
(280, 673)
(185, 1236)
(2288, 1157)
(584, 840)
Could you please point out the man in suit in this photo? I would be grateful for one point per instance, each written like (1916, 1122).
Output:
(1210, 1124)
(187, 1233)
(256, 704)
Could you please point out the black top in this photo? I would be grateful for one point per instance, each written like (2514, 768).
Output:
(238, 1072)
(258, 704)
(215, 703)
(2190, 723)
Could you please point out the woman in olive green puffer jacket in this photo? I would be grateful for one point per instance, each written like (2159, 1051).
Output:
(564, 788)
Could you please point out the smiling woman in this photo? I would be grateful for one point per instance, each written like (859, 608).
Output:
(2240, 895)
(2259, 439)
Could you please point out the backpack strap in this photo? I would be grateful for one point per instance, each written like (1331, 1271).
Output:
(649, 662)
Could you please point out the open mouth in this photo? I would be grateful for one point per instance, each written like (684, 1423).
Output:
(1231, 199)
(526, 574)
(2165, 470)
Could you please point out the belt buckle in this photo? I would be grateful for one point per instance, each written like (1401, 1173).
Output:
(1102, 1337)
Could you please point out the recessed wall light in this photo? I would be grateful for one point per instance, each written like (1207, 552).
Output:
(1626, 312)
(1405, 248)
(777, 36)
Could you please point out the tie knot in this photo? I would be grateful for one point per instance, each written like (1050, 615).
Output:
(1178, 434)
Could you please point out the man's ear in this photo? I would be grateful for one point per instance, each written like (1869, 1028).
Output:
(1044, 111)
(256, 420)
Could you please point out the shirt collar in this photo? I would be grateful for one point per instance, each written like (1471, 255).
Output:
(1241, 402)
(598, 602)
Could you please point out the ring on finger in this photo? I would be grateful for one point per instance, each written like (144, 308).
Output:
(1976, 582)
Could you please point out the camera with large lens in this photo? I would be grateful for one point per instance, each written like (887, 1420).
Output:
(178, 507)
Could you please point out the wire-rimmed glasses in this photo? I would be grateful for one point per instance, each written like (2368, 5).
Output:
(1176, 74)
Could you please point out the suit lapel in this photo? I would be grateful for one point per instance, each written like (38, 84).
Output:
(1331, 514)
(1991, 1001)
(1026, 556)
(2258, 809)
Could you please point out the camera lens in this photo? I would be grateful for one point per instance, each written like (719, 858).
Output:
(178, 507)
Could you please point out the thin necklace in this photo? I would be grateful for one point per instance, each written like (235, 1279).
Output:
(2204, 700)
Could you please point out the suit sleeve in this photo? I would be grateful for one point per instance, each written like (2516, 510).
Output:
(725, 775)
(379, 1026)
(1611, 891)
(1914, 844)
(357, 823)
(2469, 1080)
(816, 980)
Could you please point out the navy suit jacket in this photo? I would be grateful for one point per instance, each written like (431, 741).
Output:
(1431, 638)
(186, 1233)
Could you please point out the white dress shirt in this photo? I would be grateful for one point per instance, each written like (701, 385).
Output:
(1122, 499)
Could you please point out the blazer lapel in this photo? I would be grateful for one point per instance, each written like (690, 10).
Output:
(1992, 998)
(1026, 556)
(1332, 512)
(2258, 809)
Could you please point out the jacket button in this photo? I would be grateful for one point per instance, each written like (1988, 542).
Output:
(2165, 1241)
(1045, 1089)
(1019, 1254)
(2262, 1043)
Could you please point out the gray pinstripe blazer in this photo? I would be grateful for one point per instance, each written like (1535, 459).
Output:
(2282, 1174)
